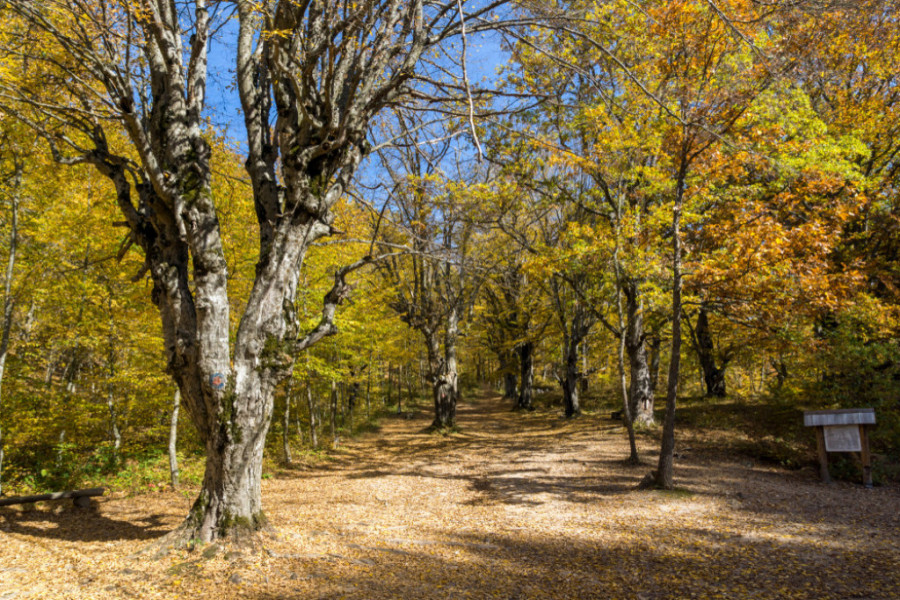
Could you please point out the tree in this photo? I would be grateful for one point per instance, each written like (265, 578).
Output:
(12, 188)
(133, 76)
(433, 286)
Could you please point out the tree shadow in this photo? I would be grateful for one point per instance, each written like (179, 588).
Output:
(75, 524)
(665, 563)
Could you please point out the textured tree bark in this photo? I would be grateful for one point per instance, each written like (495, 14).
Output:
(444, 376)
(640, 389)
(230, 500)
(526, 387)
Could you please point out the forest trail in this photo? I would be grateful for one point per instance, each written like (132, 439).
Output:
(513, 506)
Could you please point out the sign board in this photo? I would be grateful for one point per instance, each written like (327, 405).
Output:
(842, 438)
(843, 430)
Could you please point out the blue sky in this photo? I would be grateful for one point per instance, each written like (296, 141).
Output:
(485, 57)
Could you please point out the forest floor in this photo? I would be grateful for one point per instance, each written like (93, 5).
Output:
(513, 506)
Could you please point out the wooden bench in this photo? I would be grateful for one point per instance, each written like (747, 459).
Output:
(82, 498)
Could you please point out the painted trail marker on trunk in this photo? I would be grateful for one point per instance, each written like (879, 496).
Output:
(842, 430)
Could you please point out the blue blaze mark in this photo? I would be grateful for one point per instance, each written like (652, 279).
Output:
(217, 381)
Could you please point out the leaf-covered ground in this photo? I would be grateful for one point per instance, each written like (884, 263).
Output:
(514, 506)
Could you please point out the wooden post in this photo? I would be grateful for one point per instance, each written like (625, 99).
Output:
(823, 455)
(866, 455)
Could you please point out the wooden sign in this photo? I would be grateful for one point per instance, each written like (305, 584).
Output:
(842, 431)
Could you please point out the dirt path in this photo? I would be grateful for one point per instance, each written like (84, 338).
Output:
(514, 506)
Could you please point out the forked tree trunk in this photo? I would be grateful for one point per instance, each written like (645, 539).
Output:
(526, 386)
(306, 135)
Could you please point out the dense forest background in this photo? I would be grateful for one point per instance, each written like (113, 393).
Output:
(712, 180)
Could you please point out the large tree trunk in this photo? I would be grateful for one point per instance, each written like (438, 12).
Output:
(230, 500)
(640, 395)
(526, 386)
(445, 379)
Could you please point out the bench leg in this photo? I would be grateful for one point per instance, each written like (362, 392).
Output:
(82, 501)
